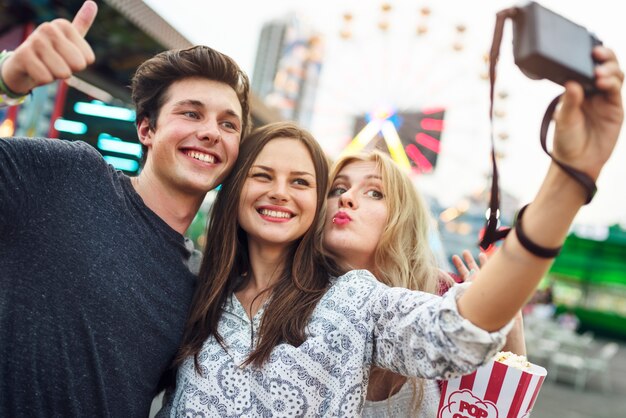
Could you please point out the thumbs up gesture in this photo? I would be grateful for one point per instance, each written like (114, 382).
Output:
(54, 51)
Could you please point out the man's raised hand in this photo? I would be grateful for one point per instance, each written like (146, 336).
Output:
(54, 51)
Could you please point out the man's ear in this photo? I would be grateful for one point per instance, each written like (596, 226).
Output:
(145, 132)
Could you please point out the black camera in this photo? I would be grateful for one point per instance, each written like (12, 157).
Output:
(547, 45)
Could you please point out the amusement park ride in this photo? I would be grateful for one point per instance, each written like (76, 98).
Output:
(412, 139)
(391, 75)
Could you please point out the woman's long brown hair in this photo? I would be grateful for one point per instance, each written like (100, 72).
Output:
(303, 279)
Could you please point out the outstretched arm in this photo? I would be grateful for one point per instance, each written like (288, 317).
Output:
(585, 136)
(54, 51)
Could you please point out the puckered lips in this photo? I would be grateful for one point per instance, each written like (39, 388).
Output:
(275, 213)
(201, 155)
(341, 218)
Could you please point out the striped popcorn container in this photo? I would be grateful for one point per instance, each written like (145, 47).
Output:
(494, 390)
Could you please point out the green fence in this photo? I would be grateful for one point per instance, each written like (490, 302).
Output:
(589, 278)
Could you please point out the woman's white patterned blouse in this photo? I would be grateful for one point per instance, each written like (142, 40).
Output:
(358, 323)
(401, 404)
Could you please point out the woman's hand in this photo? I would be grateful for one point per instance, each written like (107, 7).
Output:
(587, 128)
(467, 266)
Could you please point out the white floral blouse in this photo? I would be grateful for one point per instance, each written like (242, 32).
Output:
(400, 405)
(358, 323)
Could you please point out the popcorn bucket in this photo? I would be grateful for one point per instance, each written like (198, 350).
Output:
(494, 390)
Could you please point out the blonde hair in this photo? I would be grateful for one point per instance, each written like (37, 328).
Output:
(403, 257)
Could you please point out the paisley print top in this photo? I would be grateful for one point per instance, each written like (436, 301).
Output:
(400, 404)
(358, 323)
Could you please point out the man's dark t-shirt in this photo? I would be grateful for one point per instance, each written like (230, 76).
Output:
(94, 286)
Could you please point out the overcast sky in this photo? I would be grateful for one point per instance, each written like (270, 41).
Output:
(419, 72)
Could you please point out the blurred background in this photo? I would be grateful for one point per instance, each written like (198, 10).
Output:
(409, 77)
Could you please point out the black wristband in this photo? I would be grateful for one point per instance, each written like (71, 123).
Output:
(530, 246)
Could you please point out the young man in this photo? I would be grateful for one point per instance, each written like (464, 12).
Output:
(93, 264)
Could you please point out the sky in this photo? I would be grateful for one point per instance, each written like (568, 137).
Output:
(410, 72)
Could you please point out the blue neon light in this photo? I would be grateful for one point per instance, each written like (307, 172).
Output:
(102, 110)
(70, 126)
(397, 120)
(110, 143)
(122, 163)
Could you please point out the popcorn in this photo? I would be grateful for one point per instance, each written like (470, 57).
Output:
(513, 360)
(507, 386)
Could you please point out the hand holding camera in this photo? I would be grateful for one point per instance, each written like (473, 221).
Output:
(547, 45)
(587, 127)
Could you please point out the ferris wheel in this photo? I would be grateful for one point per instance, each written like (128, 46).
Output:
(407, 78)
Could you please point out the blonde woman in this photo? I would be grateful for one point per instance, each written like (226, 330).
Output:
(388, 235)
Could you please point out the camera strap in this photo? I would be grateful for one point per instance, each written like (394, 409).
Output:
(585, 181)
(492, 232)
